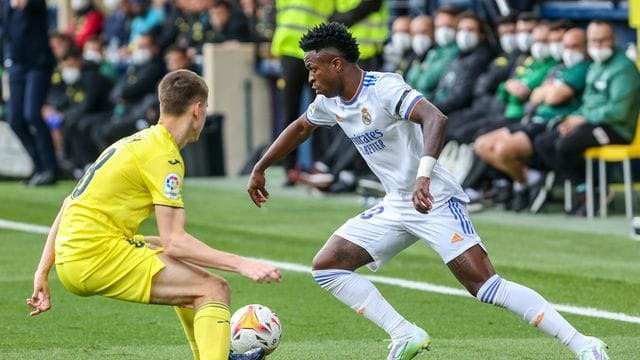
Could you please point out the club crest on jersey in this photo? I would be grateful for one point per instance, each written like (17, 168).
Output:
(312, 109)
(172, 186)
(366, 116)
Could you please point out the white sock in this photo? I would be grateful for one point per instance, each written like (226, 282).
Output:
(533, 308)
(533, 176)
(363, 297)
(517, 187)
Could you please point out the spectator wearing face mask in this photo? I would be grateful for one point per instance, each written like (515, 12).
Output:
(421, 43)
(464, 122)
(228, 23)
(86, 22)
(133, 93)
(515, 91)
(68, 113)
(455, 88)
(93, 52)
(440, 56)
(395, 50)
(556, 31)
(509, 149)
(608, 114)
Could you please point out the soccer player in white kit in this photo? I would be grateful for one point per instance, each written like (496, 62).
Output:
(400, 135)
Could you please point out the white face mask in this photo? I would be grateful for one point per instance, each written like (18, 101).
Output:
(631, 53)
(421, 43)
(93, 56)
(445, 35)
(78, 4)
(141, 56)
(540, 51)
(555, 50)
(508, 42)
(571, 57)
(401, 40)
(524, 40)
(111, 5)
(70, 75)
(466, 40)
(600, 55)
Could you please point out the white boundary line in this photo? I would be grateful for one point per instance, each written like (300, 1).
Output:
(407, 284)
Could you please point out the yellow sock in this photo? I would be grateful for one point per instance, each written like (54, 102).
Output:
(212, 332)
(186, 315)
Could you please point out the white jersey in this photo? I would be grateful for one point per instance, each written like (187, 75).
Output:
(376, 121)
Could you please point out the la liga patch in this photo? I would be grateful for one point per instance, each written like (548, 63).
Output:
(172, 186)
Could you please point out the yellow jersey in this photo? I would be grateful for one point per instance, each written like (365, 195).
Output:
(118, 192)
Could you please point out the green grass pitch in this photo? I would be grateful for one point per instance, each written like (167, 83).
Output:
(566, 266)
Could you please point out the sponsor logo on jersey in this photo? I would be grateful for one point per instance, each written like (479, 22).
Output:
(172, 186)
(366, 117)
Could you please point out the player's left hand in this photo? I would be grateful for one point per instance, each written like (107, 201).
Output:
(40, 300)
(256, 188)
(260, 272)
(422, 198)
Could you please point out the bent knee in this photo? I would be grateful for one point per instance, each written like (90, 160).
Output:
(216, 288)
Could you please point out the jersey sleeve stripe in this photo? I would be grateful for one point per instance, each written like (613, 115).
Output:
(412, 106)
(399, 104)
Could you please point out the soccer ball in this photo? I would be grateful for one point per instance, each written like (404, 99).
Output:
(255, 326)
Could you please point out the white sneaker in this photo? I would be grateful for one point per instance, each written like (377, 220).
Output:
(409, 347)
(595, 350)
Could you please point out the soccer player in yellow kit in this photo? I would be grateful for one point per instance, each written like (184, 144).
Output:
(94, 244)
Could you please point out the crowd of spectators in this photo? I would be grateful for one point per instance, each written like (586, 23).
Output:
(95, 81)
(524, 96)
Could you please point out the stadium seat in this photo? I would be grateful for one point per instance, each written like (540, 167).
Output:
(611, 153)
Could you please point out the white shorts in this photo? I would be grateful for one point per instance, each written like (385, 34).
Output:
(393, 225)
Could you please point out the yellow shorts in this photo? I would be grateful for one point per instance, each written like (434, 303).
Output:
(125, 273)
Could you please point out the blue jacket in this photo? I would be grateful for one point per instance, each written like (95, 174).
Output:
(25, 34)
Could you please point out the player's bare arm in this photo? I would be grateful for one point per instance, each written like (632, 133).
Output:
(434, 127)
(40, 300)
(295, 134)
(178, 244)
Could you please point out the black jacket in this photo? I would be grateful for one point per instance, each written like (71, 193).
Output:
(25, 34)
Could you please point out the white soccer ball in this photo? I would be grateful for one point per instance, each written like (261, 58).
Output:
(255, 326)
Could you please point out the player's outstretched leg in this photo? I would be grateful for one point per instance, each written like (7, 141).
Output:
(333, 271)
(538, 312)
(475, 272)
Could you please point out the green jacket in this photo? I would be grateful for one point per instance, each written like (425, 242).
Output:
(612, 95)
(432, 68)
(531, 73)
(575, 78)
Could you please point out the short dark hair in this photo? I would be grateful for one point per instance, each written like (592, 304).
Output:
(71, 53)
(179, 89)
(177, 48)
(505, 19)
(448, 9)
(331, 35)
(528, 16)
(468, 14)
(561, 24)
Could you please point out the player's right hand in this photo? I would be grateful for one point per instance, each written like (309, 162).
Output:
(40, 300)
(260, 272)
(422, 198)
(256, 190)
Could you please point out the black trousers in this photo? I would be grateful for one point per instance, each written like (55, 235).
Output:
(295, 77)
(564, 155)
